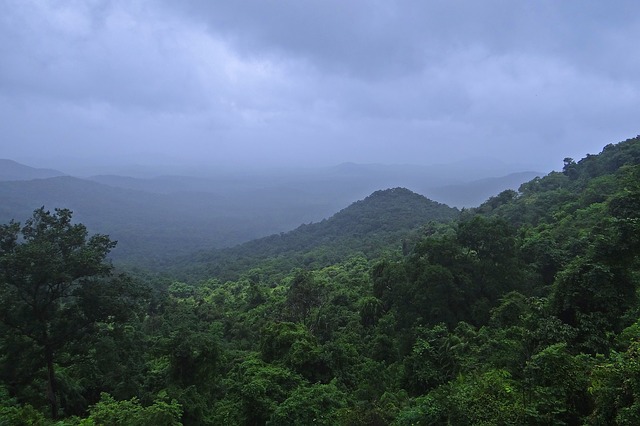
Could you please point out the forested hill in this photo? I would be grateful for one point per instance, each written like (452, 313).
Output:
(587, 183)
(523, 311)
(371, 226)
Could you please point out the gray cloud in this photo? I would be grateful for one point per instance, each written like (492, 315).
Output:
(317, 82)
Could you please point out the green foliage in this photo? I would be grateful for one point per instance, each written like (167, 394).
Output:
(24, 415)
(316, 404)
(302, 296)
(292, 345)
(524, 311)
(491, 398)
(253, 391)
(556, 387)
(590, 287)
(371, 309)
(432, 361)
(12, 414)
(616, 388)
(54, 288)
(108, 411)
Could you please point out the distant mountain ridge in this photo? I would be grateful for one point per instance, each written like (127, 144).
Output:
(337, 186)
(149, 226)
(157, 219)
(12, 170)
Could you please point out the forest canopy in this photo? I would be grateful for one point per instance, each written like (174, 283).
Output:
(395, 311)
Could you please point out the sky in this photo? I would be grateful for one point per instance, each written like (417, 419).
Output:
(273, 83)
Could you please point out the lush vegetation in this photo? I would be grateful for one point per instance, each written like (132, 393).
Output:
(522, 311)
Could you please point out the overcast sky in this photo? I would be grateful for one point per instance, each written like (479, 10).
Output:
(296, 82)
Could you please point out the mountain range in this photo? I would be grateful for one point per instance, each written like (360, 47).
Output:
(160, 218)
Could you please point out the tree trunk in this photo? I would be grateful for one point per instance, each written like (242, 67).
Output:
(51, 382)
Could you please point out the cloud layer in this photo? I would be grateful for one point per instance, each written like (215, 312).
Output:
(316, 82)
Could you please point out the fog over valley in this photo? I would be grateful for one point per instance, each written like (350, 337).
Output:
(157, 218)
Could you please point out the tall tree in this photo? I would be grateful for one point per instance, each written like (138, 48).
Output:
(51, 280)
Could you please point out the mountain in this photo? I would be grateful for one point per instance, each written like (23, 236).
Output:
(337, 186)
(168, 184)
(371, 226)
(11, 170)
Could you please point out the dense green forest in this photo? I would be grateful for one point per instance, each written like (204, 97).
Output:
(397, 310)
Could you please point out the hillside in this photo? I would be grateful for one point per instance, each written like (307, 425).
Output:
(371, 226)
(589, 182)
(12, 170)
(523, 311)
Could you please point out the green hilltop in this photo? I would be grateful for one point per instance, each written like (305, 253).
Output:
(377, 224)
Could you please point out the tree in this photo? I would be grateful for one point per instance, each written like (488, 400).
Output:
(556, 387)
(132, 413)
(317, 404)
(303, 295)
(51, 276)
(253, 390)
(615, 385)
(587, 289)
(489, 398)
(293, 345)
(570, 168)
(371, 309)
(432, 361)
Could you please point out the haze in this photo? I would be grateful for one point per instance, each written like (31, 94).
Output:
(230, 84)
